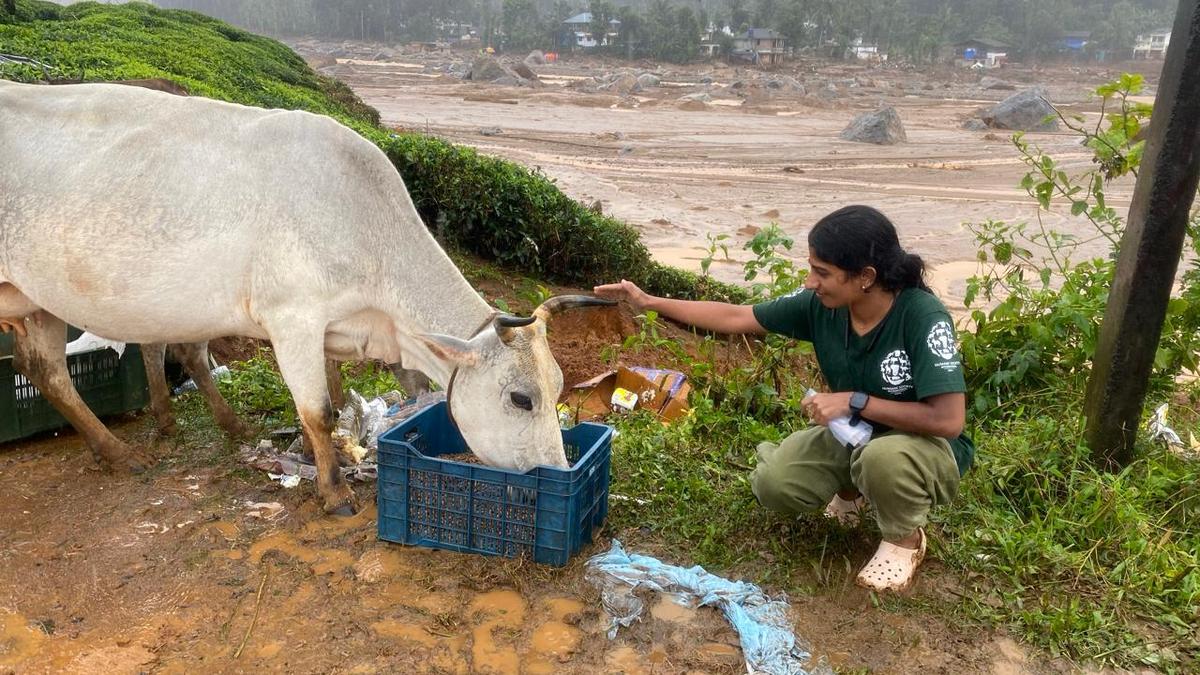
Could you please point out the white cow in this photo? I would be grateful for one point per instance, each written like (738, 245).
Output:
(151, 218)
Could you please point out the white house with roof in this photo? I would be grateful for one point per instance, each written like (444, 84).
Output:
(1152, 45)
(579, 31)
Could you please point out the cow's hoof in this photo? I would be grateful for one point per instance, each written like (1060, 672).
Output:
(235, 428)
(128, 461)
(342, 503)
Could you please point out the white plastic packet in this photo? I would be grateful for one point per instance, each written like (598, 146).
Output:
(852, 436)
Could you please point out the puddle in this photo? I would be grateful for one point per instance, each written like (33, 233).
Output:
(719, 652)
(229, 531)
(669, 610)
(323, 561)
(508, 608)
(19, 639)
(561, 608)
(626, 660)
(383, 563)
(540, 667)
(556, 639)
(330, 526)
(403, 593)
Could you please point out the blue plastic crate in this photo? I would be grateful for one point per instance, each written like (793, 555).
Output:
(546, 514)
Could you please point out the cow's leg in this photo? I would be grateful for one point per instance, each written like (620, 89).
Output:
(333, 376)
(41, 356)
(153, 355)
(194, 357)
(413, 382)
(301, 358)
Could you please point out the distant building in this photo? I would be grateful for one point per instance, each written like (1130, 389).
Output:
(761, 46)
(577, 32)
(710, 39)
(865, 51)
(1074, 42)
(988, 53)
(1152, 45)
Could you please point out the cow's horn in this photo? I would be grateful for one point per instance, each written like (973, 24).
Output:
(560, 303)
(506, 325)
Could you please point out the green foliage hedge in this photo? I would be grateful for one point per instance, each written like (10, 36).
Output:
(490, 207)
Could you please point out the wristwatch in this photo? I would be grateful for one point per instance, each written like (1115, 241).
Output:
(858, 401)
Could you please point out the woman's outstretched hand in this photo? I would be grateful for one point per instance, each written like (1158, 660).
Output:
(625, 290)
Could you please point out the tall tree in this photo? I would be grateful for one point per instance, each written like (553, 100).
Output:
(521, 24)
(629, 35)
(603, 13)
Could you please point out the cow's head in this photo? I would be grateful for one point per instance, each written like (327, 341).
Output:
(505, 385)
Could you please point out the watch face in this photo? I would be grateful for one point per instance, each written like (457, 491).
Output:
(858, 400)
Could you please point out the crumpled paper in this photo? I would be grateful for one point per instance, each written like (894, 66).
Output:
(355, 438)
(1159, 431)
(768, 643)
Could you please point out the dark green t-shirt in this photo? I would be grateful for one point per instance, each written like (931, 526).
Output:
(911, 355)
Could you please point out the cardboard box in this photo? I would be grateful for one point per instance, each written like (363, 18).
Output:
(663, 392)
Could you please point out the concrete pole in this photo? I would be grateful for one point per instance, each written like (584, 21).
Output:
(1150, 250)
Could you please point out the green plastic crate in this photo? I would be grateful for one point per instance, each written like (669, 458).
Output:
(108, 383)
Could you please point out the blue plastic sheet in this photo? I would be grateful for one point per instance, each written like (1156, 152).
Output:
(768, 643)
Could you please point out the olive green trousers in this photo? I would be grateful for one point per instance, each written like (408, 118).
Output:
(903, 475)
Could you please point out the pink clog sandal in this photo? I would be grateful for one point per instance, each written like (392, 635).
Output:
(892, 568)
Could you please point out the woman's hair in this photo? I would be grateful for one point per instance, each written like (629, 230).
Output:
(855, 237)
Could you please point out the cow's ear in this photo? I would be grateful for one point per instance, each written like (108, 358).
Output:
(450, 349)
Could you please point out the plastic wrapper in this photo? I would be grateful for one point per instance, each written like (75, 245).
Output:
(852, 436)
(355, 438)
(762, 623)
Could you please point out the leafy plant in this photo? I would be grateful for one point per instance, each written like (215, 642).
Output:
(1040, 333)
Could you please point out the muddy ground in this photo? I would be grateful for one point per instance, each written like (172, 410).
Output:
(761, 150)
(202, 565)
(184, 570)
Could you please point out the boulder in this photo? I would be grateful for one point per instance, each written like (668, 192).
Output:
(882, 127)
(691, 104)
(702, 96)
(486, 69)
(989, 82)
(535, 58)
(1025, 111)
(624, 83)
(647, 80)
(523, 70)
(786, 83)
(975, 124)
(510, 81)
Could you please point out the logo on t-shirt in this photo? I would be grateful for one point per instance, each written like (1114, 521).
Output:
(896, 371)
(941, 340)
